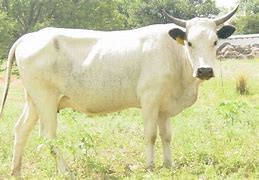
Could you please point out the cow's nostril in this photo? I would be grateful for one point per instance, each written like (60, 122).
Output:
(205, 73)
(200, 72)
(210, 71)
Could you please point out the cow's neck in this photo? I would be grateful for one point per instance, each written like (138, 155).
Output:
(189, 84)
(184, 88)
(187, 71)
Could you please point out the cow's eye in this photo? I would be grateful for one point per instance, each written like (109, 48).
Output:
(215, 43)
(189, 44)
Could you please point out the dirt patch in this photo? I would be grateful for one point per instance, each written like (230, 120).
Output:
(14, 80)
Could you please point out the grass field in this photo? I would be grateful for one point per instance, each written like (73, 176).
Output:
(217, 138)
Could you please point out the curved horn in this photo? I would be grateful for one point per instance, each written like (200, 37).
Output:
(179, 22)
(223, 19)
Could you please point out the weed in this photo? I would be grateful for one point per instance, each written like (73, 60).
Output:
(241, 82)
(231, 109)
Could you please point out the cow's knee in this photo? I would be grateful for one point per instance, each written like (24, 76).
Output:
(48, 123)
(152, 139)
(48, 129)
(165, 137)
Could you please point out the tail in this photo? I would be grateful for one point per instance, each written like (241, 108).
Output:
(10, 60)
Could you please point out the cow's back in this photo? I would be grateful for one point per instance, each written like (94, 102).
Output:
(91, 71)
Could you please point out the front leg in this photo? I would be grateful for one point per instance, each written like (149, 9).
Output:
(164, 125)
(150, 115)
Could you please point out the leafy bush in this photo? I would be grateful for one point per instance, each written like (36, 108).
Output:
(230, 110)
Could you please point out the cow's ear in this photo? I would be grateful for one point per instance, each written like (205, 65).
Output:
(225, 31)
(178, 35)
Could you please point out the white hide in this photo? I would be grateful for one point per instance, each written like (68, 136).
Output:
(99, 72)
(201, 33)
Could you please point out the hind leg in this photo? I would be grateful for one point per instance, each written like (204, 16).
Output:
(23, 128)
(46, 102)
(48, 130)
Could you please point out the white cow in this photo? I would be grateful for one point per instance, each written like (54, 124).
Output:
(156, 68)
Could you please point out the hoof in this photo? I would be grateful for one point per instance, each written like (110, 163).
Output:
(167, 165)
(16, 173)
(150, 167)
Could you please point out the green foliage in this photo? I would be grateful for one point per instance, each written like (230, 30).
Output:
(249, 6)
(18, 17)
(100, 15)
(6, 27)
(230, 110)
(26, 14)
(140, 13)
(248, 24)
(188, 9)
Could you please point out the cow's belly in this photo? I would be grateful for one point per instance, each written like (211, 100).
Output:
(100, 91)
(95, 107)
(96, 100)
(93, 85)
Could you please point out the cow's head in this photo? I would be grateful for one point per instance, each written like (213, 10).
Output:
(200, 37)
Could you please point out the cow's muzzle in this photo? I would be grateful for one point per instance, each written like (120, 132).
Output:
(205, 73)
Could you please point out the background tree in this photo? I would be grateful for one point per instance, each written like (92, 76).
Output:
(248, 24)
(147, 12)
(90, 14)
(18, 17)
(249, 6)
(248, 20)
(6, 28)
(26, 14)
(30, 15)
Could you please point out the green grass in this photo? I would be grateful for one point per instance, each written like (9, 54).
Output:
(217, 138)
